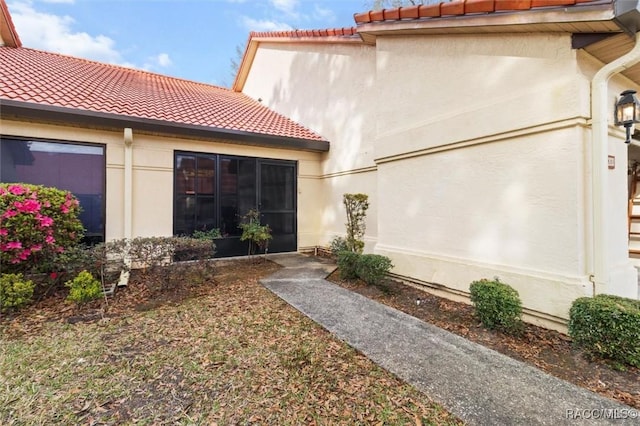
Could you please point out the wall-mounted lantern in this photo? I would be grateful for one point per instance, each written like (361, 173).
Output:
(627, 111)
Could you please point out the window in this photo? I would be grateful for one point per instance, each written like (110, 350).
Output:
(78, 168)
(195, 193)
(215, 191)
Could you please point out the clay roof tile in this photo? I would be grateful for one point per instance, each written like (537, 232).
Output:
(51, 79)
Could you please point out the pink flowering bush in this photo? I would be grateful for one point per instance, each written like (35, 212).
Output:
(36, 224)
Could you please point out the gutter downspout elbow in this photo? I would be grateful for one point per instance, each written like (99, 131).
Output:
(599, 153)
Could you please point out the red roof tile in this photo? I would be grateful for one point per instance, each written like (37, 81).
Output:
(458, 8)
(57, 80)
(331, 32)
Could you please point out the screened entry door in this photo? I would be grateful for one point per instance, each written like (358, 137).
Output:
(215, 191)
(277, 203)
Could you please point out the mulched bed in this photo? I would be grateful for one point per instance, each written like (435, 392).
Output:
(546, 349)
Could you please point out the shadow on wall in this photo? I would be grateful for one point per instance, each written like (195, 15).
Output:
(331, 90)
(500, 202)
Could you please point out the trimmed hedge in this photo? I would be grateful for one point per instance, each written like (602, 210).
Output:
(371, 268)
(607, 326)
(347, 261)
(497, 305)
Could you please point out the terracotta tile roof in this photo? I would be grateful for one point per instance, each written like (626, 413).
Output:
(458, 8)
(51, 79)
(331, 32)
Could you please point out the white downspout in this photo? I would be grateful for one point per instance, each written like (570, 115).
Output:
(128, 183)
(599, 148)
(127, 202)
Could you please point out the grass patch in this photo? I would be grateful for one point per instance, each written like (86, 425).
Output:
(235, 355)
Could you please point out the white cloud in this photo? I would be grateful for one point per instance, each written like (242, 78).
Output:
(54, 33)
(163, 60)
(285, 5)
(159, 61)
(288, 7)
(323, 14)
(264, 25)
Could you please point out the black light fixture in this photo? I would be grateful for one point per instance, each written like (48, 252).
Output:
(627, 111)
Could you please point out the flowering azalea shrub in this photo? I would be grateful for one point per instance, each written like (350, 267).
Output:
(36, 224)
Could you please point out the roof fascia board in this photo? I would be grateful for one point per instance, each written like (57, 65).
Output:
(7, 29)
(245, 65)
(56, 114)
(317, 40)
(583, 13)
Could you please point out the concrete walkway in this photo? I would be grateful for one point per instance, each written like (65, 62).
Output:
(477, 384)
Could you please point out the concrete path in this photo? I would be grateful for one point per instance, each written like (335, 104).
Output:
(479, 385)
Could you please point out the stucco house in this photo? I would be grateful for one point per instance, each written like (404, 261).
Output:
(151, 155)
(482, 131)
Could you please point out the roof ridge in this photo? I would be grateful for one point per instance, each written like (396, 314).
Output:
(116, 66)
(324, 32)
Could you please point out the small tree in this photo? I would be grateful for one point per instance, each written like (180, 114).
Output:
(257, 235)
(356, 205)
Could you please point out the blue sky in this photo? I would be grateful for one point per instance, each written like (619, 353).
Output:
(192, 39)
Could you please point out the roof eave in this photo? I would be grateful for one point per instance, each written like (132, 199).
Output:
(58, 115)
(532, 20)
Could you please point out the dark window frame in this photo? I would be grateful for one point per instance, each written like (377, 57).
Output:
(219, 196)
(103, 146)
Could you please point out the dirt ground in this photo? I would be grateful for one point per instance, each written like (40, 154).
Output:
(177, 347)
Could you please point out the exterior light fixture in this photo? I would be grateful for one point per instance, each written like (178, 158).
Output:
(627, 111)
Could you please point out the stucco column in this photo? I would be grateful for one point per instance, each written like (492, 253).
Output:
(612, 271)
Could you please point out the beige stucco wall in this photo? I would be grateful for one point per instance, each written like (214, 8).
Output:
(475, 150)
(330, 88)
(152, 181)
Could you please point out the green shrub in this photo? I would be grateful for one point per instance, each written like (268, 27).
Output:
(497, 305)
(193, 249)
(37, 224)
(84, 288)
(150, 252)
(15, 291)
(337, 245)
(372, 268)
(607, 326)
(347, 262)
(211, 234)
(258, 235)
